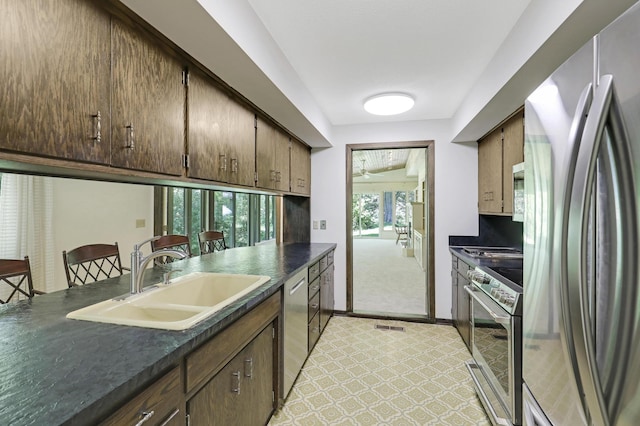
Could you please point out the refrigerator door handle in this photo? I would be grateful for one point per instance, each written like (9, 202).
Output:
(601, 403)
(569, 318)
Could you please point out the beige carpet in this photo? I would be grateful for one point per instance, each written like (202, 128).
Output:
(358, 375)
(386, 281)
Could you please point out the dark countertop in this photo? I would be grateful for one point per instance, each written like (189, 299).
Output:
(61, 371)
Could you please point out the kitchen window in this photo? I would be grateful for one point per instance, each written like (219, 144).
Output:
(245, 219)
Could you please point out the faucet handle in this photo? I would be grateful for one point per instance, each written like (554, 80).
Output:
(166, 276)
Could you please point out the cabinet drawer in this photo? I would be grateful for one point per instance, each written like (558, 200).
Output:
(314, 305)
(159, 403)
(314, 271)
(314, 331)
(314, 287)
(323, 263)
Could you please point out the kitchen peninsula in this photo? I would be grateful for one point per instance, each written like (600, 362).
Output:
(61, 371)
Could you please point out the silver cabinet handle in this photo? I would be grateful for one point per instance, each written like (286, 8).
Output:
(272, 175)
(248, 367)
(223, 162)
(235, 387)
(97, 127)
(314, 306)
(146, 415)
(234, 165)
(278, 176)
(130, 138)
(175, 413)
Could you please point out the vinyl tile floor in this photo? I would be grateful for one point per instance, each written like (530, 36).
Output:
(360, 375)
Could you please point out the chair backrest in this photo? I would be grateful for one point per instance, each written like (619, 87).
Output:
(172, 241)
(211, 241)
(15, 279)
(90, 263)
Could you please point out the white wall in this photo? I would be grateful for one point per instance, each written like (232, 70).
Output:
(456, 198)
(88, 212)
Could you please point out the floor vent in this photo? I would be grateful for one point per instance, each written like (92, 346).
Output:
(388, 327)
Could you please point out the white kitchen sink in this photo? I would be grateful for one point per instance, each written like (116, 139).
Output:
(176, 306)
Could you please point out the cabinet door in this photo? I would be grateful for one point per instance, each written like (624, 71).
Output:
(300, 168)
(258, 378)
(513, 153)
(54, 79)
(326, 296)
(490, 173)
(265, 154)
(242, 392)
(208, 120)
(454, 296)
(148, 104)
(281, 163)
(464, 312)
(241, 144)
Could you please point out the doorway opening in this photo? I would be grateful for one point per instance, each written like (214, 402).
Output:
(390, 270)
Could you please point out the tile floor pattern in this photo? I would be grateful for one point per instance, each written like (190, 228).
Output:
(357, 375)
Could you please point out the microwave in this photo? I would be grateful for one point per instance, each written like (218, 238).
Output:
(518, 192)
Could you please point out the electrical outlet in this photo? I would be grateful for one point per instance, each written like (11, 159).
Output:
(140, 223)
(323, 224)
(315, 224)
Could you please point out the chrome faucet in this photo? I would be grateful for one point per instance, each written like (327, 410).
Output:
(139, 263)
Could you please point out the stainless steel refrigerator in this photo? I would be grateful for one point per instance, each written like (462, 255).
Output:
(581, 328)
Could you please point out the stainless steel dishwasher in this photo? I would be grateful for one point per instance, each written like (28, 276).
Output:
(295, 327)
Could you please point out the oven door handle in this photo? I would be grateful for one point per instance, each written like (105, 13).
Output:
(500, 319)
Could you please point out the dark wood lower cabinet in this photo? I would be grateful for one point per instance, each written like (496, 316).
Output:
(242, 392)
(162, 403)
(460, 301)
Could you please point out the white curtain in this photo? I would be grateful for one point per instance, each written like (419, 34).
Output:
(26, 210)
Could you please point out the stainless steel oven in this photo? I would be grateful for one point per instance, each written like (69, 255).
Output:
(496, 337)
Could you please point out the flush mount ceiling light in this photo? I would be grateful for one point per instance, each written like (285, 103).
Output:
(389, 104)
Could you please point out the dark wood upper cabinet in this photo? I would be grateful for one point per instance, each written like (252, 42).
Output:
(300, 168)
(272, 156)
(498, 152)
(148, 104)
(221, 134)
(54, 79)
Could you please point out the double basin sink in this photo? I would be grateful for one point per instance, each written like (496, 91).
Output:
(179, 305)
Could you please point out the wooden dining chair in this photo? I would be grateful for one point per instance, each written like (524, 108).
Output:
(172, 241)
(15, 275)
(211, 241)
(91, 263)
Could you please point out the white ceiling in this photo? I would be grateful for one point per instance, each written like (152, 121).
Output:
(346, 51)
(310, 64)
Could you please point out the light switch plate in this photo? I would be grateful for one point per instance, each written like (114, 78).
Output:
(323, 224)
(315, 224)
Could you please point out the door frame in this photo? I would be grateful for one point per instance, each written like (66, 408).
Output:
(429, 211)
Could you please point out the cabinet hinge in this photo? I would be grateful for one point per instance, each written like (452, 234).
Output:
(273, 396)
(273, 333)
(185, 77)
(255, 122)
(255, 177)
(185, 161)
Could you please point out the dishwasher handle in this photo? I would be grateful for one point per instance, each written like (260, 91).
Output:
(297, 286)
